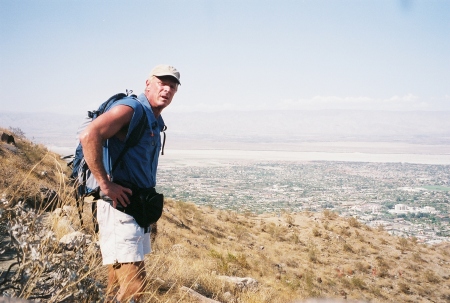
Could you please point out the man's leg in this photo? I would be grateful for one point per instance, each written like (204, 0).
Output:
(113, 285)
(131, 278)
(122, 239)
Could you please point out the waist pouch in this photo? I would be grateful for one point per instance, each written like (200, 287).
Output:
(146, 204)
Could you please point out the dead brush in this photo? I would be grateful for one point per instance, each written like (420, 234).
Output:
(328, 214)
(313, 252)
(44, 269)
(431, 277)
(403, 245)
(353, 222)
(316, 232)
(358, 283)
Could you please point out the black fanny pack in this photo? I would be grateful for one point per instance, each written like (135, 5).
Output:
(146, 204)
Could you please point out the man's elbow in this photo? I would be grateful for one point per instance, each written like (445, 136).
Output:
(84, 138)
(90, 137)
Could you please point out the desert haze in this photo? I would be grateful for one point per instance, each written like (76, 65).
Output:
(296, 135)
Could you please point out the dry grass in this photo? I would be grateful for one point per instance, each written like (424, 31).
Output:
(293, 257)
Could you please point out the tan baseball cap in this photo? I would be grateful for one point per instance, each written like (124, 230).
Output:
(165, 70)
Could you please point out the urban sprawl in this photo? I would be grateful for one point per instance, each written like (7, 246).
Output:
(409, 200)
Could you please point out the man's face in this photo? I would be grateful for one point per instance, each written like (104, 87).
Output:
(160, 91)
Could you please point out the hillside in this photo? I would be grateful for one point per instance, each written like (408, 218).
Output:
(291, 257)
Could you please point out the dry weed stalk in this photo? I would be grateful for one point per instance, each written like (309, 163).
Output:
(44, 268)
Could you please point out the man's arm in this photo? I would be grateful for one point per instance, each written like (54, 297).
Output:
(111, 123)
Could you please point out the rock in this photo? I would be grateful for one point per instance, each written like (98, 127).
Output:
(73, 240)
(9, 139)
(69, 210)
(241, 283)
(196, 296)
(158, 281)
(65, 225)
(228, 297)
(58, 212)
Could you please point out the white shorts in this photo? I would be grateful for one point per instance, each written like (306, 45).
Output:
(121, 238)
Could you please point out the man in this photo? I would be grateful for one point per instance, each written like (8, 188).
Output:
(123, 242)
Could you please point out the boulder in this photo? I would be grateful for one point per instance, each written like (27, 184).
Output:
(196, 296)
(241, 283)
(9, 139)
(73, 240)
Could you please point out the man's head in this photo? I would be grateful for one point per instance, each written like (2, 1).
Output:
(161, 86)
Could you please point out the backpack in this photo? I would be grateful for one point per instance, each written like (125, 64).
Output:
(81, 177)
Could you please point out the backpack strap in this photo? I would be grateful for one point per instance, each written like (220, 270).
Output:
(164, 139)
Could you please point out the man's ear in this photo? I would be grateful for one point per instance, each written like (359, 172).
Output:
(148, 81)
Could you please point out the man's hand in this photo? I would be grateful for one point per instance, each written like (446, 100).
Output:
(117, 193)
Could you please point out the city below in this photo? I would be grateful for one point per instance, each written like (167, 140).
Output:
(406, 199)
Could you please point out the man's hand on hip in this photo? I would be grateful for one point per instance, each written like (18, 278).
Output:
(117, 193)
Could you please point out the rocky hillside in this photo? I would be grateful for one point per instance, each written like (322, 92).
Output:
(200, 253)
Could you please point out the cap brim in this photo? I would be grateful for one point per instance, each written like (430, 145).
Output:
(172, 76)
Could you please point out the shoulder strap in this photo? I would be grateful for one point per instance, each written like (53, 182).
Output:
(164, 139)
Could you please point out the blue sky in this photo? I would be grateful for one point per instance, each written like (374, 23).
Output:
(69, 56)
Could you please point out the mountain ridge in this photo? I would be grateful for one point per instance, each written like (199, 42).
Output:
(278, 126)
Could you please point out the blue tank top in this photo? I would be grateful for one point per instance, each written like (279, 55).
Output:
(138, 166)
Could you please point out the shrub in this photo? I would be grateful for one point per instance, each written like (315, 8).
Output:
(358, 283)
(362, 267)
(316, 232)
(403, 244)
(353, 222)
(295, 238)
(431, 277)
(17, 132)
(289, 219)
(346, 247)
(417, 257)
(328, 214)
(404, 288)
(310, 289)
(312, 252)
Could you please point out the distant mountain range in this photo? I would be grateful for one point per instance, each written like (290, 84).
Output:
(268, 127)
(322, 125)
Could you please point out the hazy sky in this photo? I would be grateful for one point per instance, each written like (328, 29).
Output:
(69, 56)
